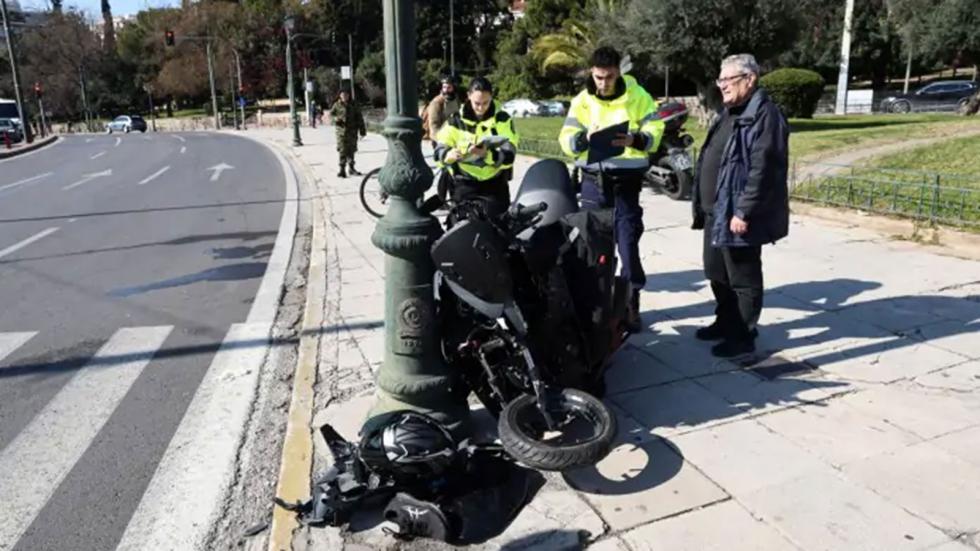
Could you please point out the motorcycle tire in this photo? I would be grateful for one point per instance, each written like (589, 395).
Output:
(679, 188)
(521, 437)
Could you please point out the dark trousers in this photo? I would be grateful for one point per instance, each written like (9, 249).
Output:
(735, 274)
(622, 193)
(494, 193)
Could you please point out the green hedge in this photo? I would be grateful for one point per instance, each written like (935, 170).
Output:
(796, 91)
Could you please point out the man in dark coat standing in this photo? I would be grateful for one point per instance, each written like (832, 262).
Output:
(741, 201)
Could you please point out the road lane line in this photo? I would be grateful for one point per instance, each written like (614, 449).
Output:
(12, 341)
(154, 176)
(97, 155)
(89, 140)
(200, 459)
(118, 141)
(88, 178)
(18, 246)
(181, 138)
(183, 150)
(38, 459)
(25, 181)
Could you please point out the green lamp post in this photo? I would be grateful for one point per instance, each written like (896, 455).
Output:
(413, 375)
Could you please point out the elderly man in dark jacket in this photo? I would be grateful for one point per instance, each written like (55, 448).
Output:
(740, 200)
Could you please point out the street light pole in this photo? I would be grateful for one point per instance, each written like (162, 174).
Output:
(214, 95)
(845, 59)
(452, 40)
(413, 375)
(350, 59)
(241, 91)
(289, 24)
(14, 74)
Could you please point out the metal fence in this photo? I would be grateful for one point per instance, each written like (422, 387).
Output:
(950, 199)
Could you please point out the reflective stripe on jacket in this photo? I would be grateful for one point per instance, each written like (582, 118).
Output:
(590, 112)
(463, 130)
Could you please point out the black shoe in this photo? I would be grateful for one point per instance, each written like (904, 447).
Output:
(417, 519)
(714, 332)
(633, 322)
(354, 172)
(341, 174)
(730, 348)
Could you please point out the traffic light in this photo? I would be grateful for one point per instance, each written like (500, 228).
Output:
(168, 37)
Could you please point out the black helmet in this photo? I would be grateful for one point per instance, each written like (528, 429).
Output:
(407, 445)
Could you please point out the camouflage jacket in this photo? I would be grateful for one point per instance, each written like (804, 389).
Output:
(347, 118)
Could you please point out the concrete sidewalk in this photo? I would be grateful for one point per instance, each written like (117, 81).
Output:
(858, 426)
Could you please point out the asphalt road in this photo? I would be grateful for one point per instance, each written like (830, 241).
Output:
(124, 261)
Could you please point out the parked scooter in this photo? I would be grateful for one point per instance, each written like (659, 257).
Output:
(530, 311)
(672, 164)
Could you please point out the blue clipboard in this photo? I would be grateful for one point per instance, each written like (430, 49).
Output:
(600, 143)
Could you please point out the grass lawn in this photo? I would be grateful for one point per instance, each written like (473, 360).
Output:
(809, 137)
(937, 182)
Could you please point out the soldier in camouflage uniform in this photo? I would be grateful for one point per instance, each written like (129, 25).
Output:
(349, 122)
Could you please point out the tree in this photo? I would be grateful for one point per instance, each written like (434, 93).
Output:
(108, 29)
(693, 37)
(568, 49)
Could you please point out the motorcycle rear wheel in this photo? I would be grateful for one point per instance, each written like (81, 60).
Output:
(524, 435)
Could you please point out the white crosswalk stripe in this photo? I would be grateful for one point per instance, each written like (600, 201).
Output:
(40, 456)
(12, 341)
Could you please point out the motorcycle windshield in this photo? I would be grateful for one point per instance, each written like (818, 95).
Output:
(474, 256)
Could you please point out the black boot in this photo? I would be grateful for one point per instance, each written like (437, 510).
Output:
(633, 322)
(343, 172)
(353, 171)
(714, 332)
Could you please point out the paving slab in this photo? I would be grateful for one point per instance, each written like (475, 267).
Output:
(964, 444)
(925, 412)
(824, 511)
(640, 483)
(964, 377)
(745, 456)
(959, 337)
(632, 369)
(838, 433)
(724, 526)
(928, 482)
(754, 395)
(676, 408)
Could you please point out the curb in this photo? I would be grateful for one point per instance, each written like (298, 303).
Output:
(297, 451)
(38, 144)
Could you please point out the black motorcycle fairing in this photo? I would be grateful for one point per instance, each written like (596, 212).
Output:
(547, 181)
(473, 255)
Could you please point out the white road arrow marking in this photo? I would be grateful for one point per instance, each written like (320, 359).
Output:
(183, 149)
(118, 141)
(154, 176)
(88, 178)
(25, 181)
(97, 155)
(218, 169)
(180, 138)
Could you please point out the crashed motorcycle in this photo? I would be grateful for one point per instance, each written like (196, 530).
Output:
(530, 311)
(672, 164)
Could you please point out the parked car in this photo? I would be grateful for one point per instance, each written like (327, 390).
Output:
(946, 95)
(523, 108)
(10, 128)
(127, 124)
(555, 108)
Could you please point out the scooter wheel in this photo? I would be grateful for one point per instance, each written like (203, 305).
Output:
(584, 437)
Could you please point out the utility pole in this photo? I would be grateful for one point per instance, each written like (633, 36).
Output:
(666, 82)
(214, 95)
(845, 59)
(231, 93)
(908, 72)
(241, 89)
(14, 74)
(39, 94)
(153, 112)
(350, 59)
(290, 24)
(452, 41)
(81, 82)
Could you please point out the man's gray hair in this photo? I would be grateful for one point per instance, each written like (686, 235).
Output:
(745, 62)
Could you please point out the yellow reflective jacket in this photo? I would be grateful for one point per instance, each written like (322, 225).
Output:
(464, 130)
(589, 112)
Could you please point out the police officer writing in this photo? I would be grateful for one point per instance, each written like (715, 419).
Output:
(740, 200)
(611, 98)
(477, 163)
(347, 118)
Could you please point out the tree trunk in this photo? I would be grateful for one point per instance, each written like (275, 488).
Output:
(973, 105)
(976, 72)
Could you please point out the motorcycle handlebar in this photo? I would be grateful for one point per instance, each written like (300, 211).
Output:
(518, 211)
